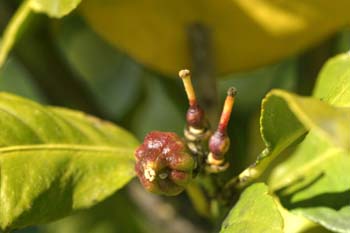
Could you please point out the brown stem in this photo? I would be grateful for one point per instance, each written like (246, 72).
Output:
(203, 71)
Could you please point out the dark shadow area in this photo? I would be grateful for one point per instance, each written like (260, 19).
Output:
(282, 190)
(316, 229)
(333, 200)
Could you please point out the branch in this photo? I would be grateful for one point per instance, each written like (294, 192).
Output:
(200, 43)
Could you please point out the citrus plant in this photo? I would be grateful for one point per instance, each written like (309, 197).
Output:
(201, 170)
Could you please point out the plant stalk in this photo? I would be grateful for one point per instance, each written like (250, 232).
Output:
(200, 45)
(11, 32)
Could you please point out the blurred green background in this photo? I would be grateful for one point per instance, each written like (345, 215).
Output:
(72, 62)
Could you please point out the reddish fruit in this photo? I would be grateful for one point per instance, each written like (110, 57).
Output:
(163, 164)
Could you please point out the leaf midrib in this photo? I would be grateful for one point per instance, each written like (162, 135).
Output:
(67, 147)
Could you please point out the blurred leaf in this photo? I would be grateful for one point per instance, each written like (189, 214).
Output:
(157, 110)
(342, 42)
(54, 161)
(15, 78)
(115, 214)
(114, 79)
(27, 230)
(53, 8)
(255, 212)
(281, 75)
(10, 33)
(245, 34)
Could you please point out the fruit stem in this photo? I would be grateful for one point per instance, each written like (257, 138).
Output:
(200, 44)
(198, 199)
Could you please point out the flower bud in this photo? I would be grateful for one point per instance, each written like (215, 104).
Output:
(219, 144)
(195, 117)
(163, 164)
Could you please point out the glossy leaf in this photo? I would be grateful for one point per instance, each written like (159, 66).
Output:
(296, 223)
(314, 181)
(333, 83)
(294, 115)
(286, 117)
(255, 212)
(54, 161)
(322, 157)
(245, 34)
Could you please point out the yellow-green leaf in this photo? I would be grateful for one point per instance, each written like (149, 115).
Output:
(255, 212)
(54, 161)
(333, 83)
(314, 181)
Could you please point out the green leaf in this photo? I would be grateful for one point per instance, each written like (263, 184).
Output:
(296, 223)
(113, 78)
(263, 80)
(286, 117)
(53, 8)
(54, 161)
(11, 31)
(283, 28)
(157, 110)
(314, 181)
(255, 212)
(16, 79)
(333, 83)
(294, 115)
(322, 157)
(115, 214)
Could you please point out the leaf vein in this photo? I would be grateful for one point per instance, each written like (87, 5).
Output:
(71, 147)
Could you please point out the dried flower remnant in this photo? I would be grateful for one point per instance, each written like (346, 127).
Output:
(219, 142)
(163, 164)
(195, 114)
(197, 128)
